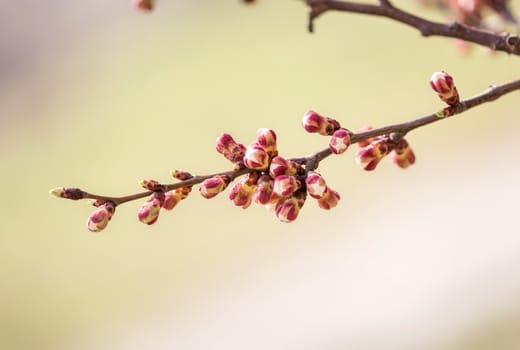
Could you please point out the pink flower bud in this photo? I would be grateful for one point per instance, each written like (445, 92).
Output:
(209, 188)
(442, 83)
(242, 192)
(403, 155)
(229, 148)
(148, 213)
(144, 5)
(285, 185)
(329, 199)
(256, 157)
(287, 210)
(171, 199)
(99, 219)
(267, 139)
(264, 189)
(340, 141)
(371, 155)
(315, 123)
(283, 166)
(316, 185)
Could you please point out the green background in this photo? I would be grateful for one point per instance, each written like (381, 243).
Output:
(96, 95)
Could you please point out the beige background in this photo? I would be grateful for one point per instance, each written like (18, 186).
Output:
(96, 95)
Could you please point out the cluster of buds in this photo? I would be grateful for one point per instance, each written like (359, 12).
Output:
(313, 122)
(442, 83)
(271, 180)
(372, 150)
(161, 197)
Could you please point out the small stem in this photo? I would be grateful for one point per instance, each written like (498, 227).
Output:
(233, 174)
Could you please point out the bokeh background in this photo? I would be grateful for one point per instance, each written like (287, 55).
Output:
(96, 95)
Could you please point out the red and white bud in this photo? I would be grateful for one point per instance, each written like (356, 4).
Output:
(315, 123)
(209, 188)
(368, 157)
(256, 157)
(285, 185)
(148, 213)
(229, 148)
(403, 155)
(442, 83)
(263, 190)
(329, 199)
(242, 192)
(144, 5)
(340, 141)
(283, 166)
(316, 185)
(287, 210)
(267, 139)
(99, 219)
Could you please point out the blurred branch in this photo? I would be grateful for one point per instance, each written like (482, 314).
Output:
(505, 42)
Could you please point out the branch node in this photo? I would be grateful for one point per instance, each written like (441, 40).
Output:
(513, 42)
(385, 3)
(396, 136)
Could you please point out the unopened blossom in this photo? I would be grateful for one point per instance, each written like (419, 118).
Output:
(283, 166)
(229, 148)
(339, 141)
(315, 123)
(316, 185)
(263, 190)
(403, 155)
(285, 185)
(371, 155)
(442, 83)
(171, 199)
(329, 199)
(242, 192)
(209, 188)
(267, 139)
(99, 219)
(148, 213)
(256, 157)
(287, 210)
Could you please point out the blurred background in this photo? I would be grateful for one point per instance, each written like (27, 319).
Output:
(96, 95)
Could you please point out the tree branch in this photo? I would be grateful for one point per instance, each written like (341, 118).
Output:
(312, 161)
(505, 42)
